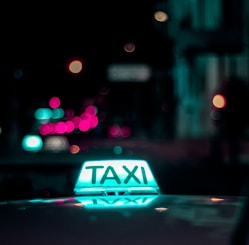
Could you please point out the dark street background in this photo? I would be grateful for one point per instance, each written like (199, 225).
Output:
(180, 167)
(170, 118)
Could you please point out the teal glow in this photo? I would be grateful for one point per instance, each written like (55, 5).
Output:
(117, 149)
(119, 176)
(58, 113)
(43, 114)
(36, 200)
(32, 143)
(116, 202)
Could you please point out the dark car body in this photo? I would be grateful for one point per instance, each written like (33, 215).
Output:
(139, 219)
(119, 201)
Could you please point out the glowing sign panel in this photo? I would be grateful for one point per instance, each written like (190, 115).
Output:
(129, 73)
(117, 176)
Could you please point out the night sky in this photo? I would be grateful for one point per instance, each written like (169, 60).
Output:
(38, 39)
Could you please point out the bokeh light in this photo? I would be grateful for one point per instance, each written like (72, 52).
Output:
(129, 47)
(75, 66)
(54, 102)
(161, 16)
(219, 101)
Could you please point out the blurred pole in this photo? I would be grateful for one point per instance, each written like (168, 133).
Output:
(158, 130)
(241, 231)
(13, 122)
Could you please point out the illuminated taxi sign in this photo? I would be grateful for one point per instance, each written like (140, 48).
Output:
(115, 177)
(108, 202)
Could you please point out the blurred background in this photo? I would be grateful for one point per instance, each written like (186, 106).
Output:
(129, 71)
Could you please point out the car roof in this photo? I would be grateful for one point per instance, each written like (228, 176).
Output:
(135, 219)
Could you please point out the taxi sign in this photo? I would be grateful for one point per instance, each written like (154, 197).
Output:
(115, 177)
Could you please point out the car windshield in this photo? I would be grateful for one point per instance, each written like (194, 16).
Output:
(164, 82)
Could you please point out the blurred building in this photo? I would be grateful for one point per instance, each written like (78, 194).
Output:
(210, 43)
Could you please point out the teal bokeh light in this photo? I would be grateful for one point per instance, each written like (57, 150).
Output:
(43, 114)
(32, 143)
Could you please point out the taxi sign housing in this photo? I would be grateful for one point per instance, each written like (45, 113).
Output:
(116, 177)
